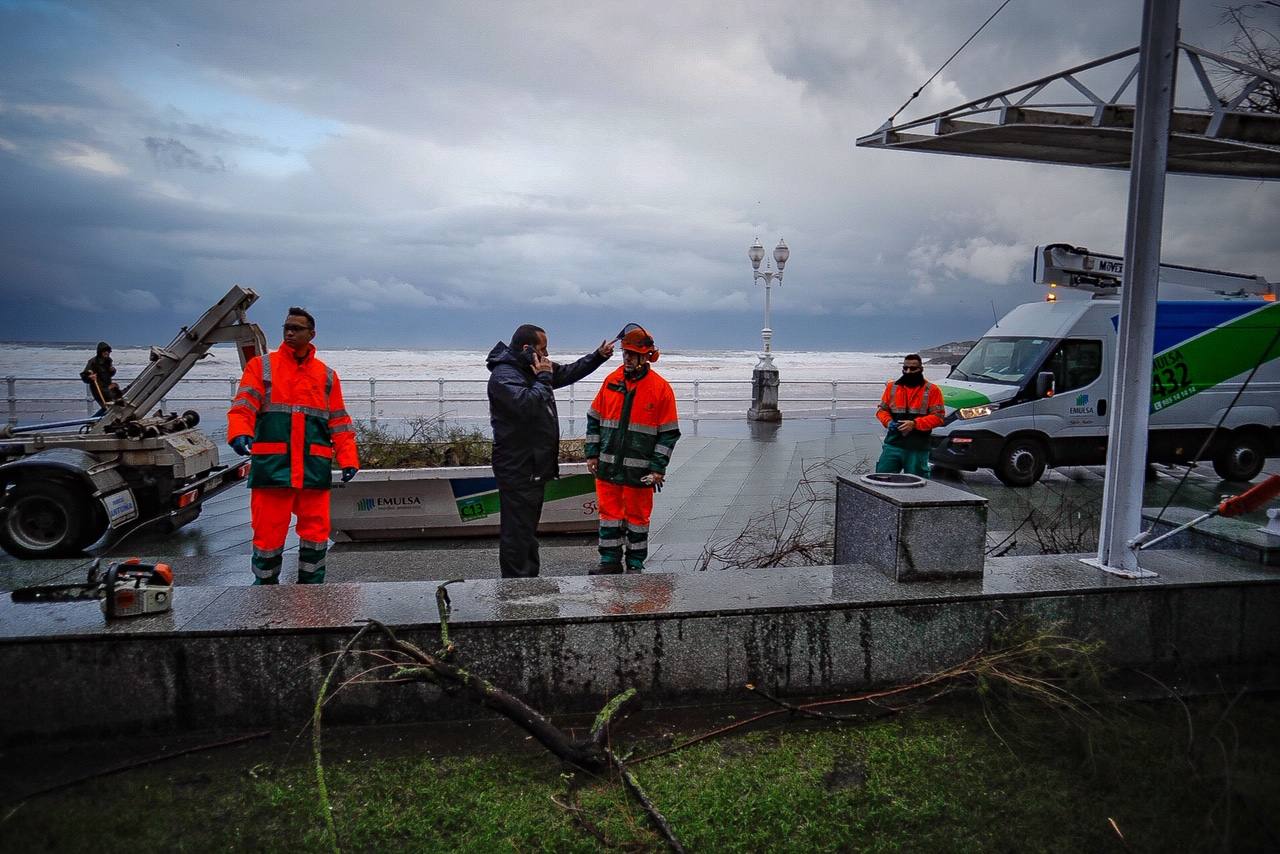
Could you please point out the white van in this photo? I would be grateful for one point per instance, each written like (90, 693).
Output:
(1035, 391)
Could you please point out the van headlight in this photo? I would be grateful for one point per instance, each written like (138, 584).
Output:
(976, 411)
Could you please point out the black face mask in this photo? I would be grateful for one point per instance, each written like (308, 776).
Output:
(912, 379)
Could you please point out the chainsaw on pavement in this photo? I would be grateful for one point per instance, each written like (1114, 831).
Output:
(130, 588)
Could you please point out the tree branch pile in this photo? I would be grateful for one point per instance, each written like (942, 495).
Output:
(798, 533)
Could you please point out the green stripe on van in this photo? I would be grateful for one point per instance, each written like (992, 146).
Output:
(959, 398)
(1228, 351)
(486, 504)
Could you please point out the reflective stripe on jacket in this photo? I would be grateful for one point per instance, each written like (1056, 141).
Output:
(294, 411)
(632, 427)
(922, 404)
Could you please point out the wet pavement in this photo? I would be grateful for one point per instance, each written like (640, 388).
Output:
(766, 479)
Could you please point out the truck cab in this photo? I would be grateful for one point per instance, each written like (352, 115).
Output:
(1034, 391)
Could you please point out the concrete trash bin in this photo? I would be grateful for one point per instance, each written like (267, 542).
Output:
(910, 531)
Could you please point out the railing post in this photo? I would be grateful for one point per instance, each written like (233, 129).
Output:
(89, 402)
(235, 387)
(835, 395)
(373, 402)
(695, 401)
(441, 407)
(12, 383)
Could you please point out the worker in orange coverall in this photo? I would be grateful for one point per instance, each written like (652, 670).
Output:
(632, 427)
(289, 415)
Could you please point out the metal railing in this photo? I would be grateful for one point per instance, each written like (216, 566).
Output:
(697, 399)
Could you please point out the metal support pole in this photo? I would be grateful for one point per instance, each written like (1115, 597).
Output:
(1127, 431)
(373, 402)
(695, 401)
(835, 396)
(12, 384)
(441, 382)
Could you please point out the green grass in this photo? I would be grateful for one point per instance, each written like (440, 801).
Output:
(934, 780)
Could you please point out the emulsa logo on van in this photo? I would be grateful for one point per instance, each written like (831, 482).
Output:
(389, 502)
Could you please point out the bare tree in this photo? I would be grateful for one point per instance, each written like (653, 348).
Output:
(1254, 43)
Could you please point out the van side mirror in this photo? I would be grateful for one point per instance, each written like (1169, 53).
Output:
(1044, 384)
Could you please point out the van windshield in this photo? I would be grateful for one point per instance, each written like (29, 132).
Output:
(1007, 361)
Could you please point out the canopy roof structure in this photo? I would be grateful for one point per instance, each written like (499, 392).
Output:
(1228, 137)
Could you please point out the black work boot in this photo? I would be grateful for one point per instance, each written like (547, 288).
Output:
(606, 568)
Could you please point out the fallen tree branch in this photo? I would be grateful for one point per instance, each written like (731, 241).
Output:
(637, 792)
(415, 664)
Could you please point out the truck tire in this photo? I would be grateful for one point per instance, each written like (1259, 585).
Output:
(1021, 462)
(1241, 459)
(95, 525)
(44, 519)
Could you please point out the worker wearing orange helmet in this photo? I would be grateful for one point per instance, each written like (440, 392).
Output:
(632, 428)
(289, 415)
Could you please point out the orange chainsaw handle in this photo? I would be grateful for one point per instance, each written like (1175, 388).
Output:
(161, 570)
(1253, 499)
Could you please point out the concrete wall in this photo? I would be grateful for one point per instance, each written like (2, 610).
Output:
(266, 679)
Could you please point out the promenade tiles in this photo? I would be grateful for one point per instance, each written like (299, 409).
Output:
(716, 487)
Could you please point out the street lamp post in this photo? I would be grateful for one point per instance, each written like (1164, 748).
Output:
(764, 379)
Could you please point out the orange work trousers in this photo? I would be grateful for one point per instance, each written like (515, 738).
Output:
(270, 509)
(624, 521)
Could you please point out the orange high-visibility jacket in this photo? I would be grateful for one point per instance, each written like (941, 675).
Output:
(922, 404)
(632, 427)
(293, 409)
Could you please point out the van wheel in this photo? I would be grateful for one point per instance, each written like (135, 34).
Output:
(1021, 463)
(44, 519)
(1241, 459)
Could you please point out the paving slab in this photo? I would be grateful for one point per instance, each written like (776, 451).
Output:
(717, 487)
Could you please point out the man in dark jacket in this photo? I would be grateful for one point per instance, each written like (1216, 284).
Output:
(526, 436)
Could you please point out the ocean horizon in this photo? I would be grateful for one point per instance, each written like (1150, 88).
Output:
(396, 385)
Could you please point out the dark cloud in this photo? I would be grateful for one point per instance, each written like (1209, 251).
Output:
(433, 175)
(172, 154)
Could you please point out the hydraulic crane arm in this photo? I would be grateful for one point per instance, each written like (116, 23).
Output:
(1060, 264)
(224, 323)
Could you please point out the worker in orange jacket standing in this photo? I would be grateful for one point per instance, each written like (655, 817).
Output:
(910, 408)
(632, 427)
(289, 415)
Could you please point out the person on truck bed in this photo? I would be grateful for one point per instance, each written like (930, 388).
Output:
(910, 408)
(98, 373)
(290, 416)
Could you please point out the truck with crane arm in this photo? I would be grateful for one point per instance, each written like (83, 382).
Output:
(1034, 391)
(63, 486)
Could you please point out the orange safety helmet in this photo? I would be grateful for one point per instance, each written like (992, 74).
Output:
(634, 338)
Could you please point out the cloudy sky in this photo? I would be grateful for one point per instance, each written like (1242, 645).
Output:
(429, 174)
